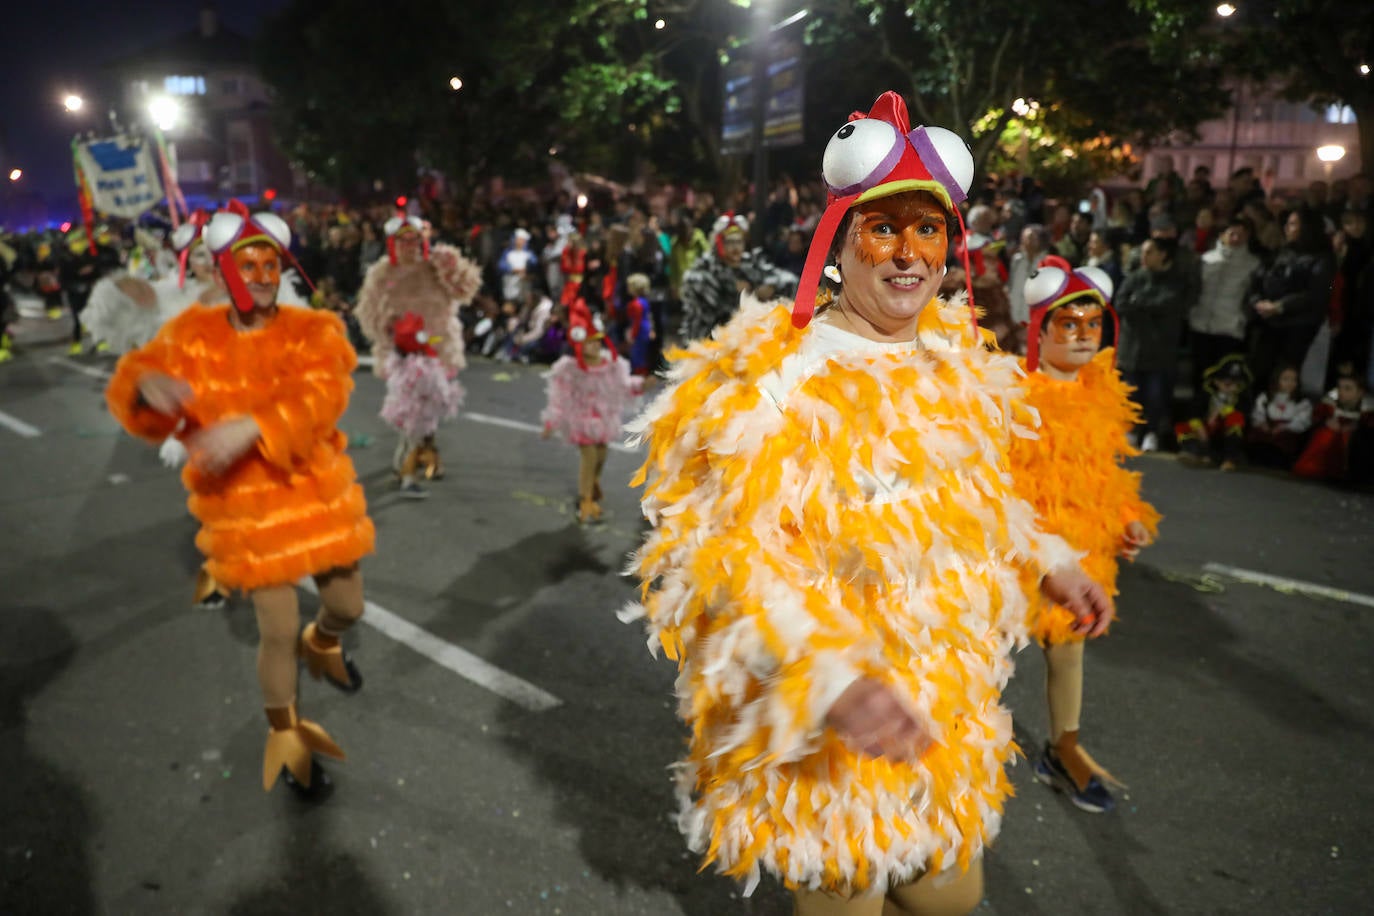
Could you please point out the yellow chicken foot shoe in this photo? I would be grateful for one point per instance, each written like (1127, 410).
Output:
(325, 658)
(292, 743)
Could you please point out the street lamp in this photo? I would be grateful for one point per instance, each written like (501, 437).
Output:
(1225, 10)
(455, 83)
(660, 24)
(1364, 69)
(1330, 155)
(73, 102)
(165, 111)
(16, 174)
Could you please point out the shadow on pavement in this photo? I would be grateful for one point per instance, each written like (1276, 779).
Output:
(1180, 635)
(313, 875)
(44, 816)
(606, 752)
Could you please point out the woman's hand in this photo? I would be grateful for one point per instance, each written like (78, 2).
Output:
(167, 395)
(214, 449)
(871, 720)
(1266, 307)
(1070, 588)
(1134, 538)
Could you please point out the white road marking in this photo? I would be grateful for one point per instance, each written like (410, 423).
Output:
(1289, 585)
(19, 426)
(92, 371)
(460, 661)
(528, 428)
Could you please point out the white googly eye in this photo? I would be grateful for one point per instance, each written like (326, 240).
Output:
(596, 323)
(860, 155)
(393, 225)
(222, 230)
(421, 337)
(275, 227)
(578, 334)
(1046, 285)
(953, 154)
(184, 235)
(1097, 278)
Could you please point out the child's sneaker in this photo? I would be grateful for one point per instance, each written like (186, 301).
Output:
(1093, 798)
(411, 489)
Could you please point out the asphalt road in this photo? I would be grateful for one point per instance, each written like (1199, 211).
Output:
(131, 736)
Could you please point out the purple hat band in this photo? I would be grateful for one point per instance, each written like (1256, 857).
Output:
(930, 158)
(1087, 278)
(888, 163)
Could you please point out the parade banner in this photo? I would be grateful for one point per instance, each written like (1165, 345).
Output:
(120, 174)
(782, 120)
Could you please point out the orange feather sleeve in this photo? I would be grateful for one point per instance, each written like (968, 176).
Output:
(121, 395)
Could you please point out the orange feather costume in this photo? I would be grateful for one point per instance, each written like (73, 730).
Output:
(291, 507)
(827, 509)
(1072, 475)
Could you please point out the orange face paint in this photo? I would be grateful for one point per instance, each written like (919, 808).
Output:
(259, 264)
(1076, 322)
(903, 228)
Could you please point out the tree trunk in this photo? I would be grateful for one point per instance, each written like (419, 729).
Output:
(1364, 122)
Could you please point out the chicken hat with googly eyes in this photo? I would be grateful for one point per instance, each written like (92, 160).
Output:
(583, 326)
(233, 228)
(877, 155)
(1055, 284)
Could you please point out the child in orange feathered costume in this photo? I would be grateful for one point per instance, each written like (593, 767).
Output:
(1072, 475)
(254, 390)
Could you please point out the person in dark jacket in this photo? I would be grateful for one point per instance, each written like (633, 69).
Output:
(1288, 299)
(1152, 304)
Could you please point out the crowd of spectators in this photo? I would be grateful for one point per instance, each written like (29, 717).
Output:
(1201, 270)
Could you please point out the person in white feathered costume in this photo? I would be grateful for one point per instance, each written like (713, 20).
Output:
(420, 392)
(125, 310)
(588, 394)
(433, 284)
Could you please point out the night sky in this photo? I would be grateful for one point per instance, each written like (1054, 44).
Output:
(48, 49)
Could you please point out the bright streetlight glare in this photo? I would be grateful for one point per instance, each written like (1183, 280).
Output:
(1225, 10)
(660, 24)
(581, 201)
(1331, 153)
(16, 174)
(166, 112)
(455, 84)
(73, 102)
(1364, 69)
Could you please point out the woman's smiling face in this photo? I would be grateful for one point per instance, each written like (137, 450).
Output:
(893, 260)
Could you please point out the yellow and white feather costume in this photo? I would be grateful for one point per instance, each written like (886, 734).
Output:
(825, 508)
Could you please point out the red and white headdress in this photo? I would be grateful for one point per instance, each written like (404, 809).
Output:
(1055, 283)
(584, 326)
(727, 224)
(402, 223)
(234, 227)
(187, 236)
(874, 156)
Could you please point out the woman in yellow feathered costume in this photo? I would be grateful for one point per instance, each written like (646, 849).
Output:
(1072, 475)
(839, 563)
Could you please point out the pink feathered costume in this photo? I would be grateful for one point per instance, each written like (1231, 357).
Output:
(587, 406)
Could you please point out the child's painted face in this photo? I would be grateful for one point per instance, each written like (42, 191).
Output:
(591, 349)
(1228, 387)
(1072, 335)
(1288, 381)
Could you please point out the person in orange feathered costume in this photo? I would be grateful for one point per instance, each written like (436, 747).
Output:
(254, 390)
(1072, 475)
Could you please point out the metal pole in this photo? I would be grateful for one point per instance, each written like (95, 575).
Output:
(1235, 130)
(760, 81)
